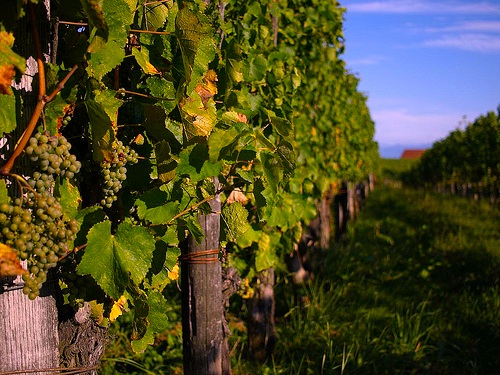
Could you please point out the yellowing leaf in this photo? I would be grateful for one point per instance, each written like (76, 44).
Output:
(96, 311)
(199, 108)
(174, 273)
(208, 86)
(7, 73)
(117, 308)
(10, 264)
(9, 60)
(6, 39)
(142, 58)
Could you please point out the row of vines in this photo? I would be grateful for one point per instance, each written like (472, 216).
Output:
(145, 113)
(466, 162)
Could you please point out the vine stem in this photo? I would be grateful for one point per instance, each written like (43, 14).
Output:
(42, 97)
(133, 31)
(123, 91)
(195, 206)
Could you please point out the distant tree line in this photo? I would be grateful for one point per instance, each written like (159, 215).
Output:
(466, 162)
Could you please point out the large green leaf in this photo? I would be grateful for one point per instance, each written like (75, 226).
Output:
(107, 48)
(114, 260)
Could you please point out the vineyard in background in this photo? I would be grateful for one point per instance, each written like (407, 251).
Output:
(466, 162)
(136, 123)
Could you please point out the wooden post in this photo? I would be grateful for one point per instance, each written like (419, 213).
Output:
(261, 328)
(325, 219)
(205, 347)
(28, 331)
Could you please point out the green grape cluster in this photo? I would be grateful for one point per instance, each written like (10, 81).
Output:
(34, 223)
(114, 172)
(235, 216)
(51, 157)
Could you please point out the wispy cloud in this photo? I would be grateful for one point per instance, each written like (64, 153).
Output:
(422, 6)
(477, 26)
(468, 42)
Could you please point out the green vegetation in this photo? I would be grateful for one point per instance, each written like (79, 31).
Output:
(466, 159)
(393, 169)
(414, 288)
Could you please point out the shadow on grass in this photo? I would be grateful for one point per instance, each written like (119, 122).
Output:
(414, 289)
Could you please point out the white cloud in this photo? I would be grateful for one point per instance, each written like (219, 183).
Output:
(399, 126)
(421, 6)
(477, 26)
(468, 42)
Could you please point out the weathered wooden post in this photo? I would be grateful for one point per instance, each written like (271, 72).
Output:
(261, 329)
(205, 347)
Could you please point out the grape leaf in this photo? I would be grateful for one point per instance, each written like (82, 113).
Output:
(109, 103)
(273, 169)
(165, 163)
(69, 197)
(282, 126)
(87, 218)
(266, 256)
(142, 58)
(10, 265)
(102, 131)
(235, 218)
(114, 260)
(54, 114)
(107, 47)
(188, 32)
(162, 88)
(154, 208)
(204, 55)
(255, 69)
(4, 193)
(193, 162)
(220, 139)
(157, 321)
(199, 117)
(154, 15)
(194, 228)
(93, 10)
(7, 113)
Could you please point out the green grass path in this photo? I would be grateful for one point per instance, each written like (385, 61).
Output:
(413, 289)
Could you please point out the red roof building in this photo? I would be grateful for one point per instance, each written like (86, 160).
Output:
(412, 154)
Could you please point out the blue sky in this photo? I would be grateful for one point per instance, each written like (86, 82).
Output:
(424, 64)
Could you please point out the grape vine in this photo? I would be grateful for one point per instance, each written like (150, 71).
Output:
(162, 98)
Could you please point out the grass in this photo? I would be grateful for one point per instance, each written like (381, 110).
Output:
(413, 289)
